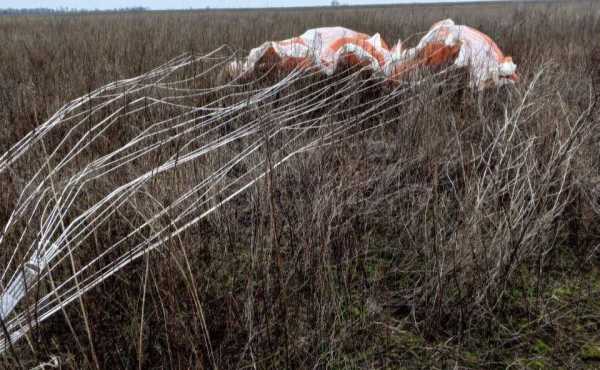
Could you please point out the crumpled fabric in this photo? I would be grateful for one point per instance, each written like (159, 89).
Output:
(330, 49)
(326, 48)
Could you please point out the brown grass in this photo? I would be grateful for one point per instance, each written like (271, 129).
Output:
(462, 235)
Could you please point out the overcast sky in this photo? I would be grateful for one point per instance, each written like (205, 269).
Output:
(186, 4)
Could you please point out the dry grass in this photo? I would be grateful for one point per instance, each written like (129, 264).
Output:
(462, 234)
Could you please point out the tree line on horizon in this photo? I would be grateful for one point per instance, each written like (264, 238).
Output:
(63, 10)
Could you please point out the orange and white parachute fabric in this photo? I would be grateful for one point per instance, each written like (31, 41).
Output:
(326, 48)
(460, 45)
(332, 48)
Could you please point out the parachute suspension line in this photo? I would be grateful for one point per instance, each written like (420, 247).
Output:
(114, 149)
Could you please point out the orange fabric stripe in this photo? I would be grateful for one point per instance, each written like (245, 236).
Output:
(435, 54)
(432, 55)
(361, 42)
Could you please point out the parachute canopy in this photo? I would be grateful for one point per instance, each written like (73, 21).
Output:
(330, 49)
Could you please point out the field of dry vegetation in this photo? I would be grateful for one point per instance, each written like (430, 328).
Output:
(463, 233)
